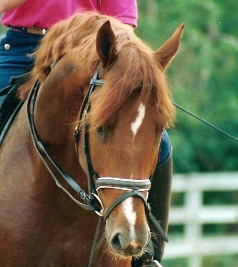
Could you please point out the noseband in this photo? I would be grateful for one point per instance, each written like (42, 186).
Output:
(90, 201)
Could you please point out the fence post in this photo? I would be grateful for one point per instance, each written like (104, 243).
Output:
(193, 231)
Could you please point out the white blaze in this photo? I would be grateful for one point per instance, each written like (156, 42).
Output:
(127, 204)
(139, 119)
(130, 214)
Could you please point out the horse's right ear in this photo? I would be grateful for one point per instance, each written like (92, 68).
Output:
(106, 44)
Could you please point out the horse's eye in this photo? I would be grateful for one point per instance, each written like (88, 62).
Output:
(101, 131)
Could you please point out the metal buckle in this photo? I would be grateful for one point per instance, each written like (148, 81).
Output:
(102, 211)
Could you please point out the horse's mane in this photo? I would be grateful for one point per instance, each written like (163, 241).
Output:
(135, 66)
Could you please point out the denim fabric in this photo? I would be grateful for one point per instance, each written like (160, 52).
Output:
(15, 60)
(165, 148)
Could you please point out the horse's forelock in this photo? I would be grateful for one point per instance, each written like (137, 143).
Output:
(135, 69)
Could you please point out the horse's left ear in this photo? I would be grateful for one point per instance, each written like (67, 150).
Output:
(168, 50)
(106, 44)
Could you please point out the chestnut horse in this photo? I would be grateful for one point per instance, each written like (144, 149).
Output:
(95, 79)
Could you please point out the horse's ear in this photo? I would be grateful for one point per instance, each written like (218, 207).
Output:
(106, 44)
(168, 50)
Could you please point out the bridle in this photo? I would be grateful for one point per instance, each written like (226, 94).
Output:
(134, 187)
(90, 201)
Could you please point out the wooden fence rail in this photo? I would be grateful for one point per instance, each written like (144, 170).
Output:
(194, 214)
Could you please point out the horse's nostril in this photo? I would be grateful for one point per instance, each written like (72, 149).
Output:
(116, 242)
(124, 246)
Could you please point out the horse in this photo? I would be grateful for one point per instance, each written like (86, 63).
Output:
(84, 146)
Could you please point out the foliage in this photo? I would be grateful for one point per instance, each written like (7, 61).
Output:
(203, 77)
(181, 262)
(222, 261)
(2, 29)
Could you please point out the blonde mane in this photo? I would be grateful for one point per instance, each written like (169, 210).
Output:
(135, 66)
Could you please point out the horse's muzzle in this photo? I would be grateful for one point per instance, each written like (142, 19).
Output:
(126, 247)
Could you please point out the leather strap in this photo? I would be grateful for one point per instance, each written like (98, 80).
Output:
(31, 30)
(133, 193)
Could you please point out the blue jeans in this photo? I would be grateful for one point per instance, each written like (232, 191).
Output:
(16, 61)
(15, 48)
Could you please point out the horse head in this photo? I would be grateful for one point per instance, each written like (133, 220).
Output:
(129, 110)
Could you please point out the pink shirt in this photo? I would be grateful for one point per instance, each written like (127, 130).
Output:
(45, 13)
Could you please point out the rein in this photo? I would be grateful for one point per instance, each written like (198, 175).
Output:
(40, 148)
(90, 201)
(206, 122)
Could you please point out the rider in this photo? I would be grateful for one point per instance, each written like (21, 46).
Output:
(27, 22)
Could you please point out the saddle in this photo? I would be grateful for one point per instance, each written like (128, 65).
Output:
(10, 104)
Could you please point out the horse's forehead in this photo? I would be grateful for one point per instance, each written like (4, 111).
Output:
(140, 116)
(134, 137)
(136, 124)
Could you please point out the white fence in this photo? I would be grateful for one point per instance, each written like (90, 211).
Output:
(193, 214)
